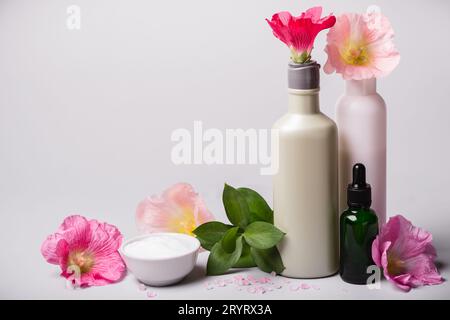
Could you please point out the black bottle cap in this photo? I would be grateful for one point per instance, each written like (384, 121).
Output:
(359, 192)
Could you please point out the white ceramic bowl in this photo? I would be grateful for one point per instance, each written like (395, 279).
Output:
(162, 271)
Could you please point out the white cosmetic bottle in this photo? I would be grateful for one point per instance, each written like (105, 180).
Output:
(305, 194)
(361, 121)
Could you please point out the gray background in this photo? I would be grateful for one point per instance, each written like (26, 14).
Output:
(86, 118)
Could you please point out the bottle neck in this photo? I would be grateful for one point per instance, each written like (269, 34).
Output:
(361, 87)
(303, 101)
(358, 207)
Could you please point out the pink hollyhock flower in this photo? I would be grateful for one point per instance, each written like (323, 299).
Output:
(87, 246)
(406, 254)
(360, 46)
(179, 209)
(299, 33)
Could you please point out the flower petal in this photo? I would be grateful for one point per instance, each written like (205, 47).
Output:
(279, 25)
(179, 209)
(299, 33)
(108, 269)
(402, 282)
(86, 250)
(422, 270)
(54, 248)
(152, 215)
(183, 195)
(76, 231)
(313, 13)
(410, 241)
(105, 239)
(407, 252)
(360, 46)
(379, 251)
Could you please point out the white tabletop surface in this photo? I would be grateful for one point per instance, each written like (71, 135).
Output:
(197, 286)
(28, 276)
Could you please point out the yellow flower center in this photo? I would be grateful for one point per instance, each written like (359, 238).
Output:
(82, 259)
(185, 223)
(396, 266)
(355, 54)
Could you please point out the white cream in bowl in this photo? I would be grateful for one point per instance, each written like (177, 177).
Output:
(160, 259)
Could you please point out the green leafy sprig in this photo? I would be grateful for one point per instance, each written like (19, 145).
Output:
(249, 241)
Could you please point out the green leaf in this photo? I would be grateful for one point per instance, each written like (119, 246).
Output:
(262, 235)
(235, 206)
(210, 233)
(219, 261)
(246, 259)
(268, 260)
(229, 240)
(258, 207)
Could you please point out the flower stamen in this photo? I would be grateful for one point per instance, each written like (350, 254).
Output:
(356, 55)
(82, 259)
(395, 265)
(184, 223)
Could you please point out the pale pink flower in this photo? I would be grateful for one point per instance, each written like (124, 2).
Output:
(179, 209)
(89, 246)
(406, 254)
(360, 46)
(299, 33)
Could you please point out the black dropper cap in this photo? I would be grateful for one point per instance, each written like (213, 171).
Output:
(359, 192)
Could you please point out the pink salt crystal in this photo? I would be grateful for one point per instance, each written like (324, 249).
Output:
(264, 280)
(238, 279)
(151, 294)
(208, 286)
(251, 290)
(273, 274)
(251, 278)
(278, 286)
(142, 287)
(245, 282)
(228, 281)
(261, 290)
(294, 287)
(221, 283)
(305, 286)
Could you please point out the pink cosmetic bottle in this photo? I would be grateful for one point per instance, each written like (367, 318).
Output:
(361, 122)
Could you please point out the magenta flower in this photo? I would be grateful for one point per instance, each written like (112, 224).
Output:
(86, 247)
(360, 46)
(179, 209)
(406, 254)
(299, 33)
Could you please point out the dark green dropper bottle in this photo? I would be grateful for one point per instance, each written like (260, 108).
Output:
(358, 229)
